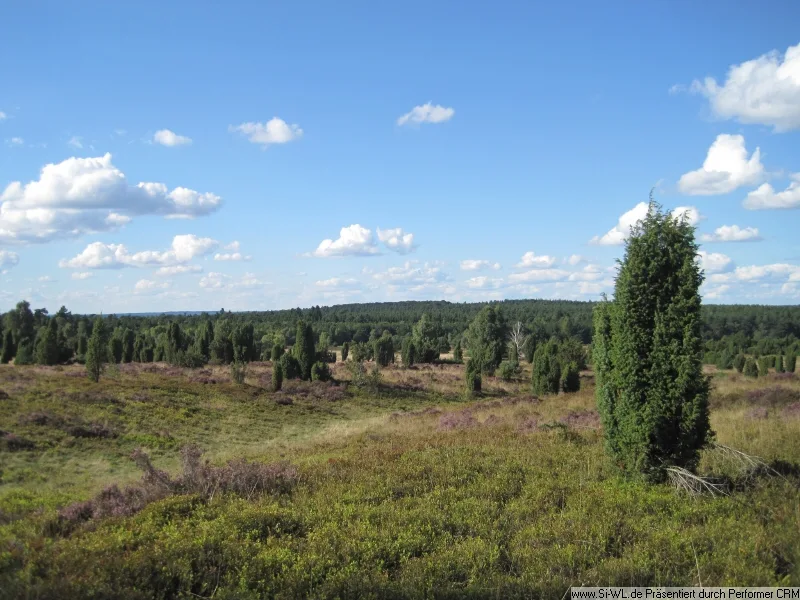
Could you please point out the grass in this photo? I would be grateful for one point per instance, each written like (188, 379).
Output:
(405, 491)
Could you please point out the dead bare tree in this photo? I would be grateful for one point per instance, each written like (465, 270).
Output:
(517, 340)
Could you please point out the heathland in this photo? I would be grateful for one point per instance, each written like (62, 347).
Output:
(395, 484)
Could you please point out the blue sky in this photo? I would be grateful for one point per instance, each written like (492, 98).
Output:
(501, 150)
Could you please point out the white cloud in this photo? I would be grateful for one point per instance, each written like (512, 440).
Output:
(396, 239)
(232, 256)
(765, 196)
(81, 275)
(46, 279)
(15, 141)
(713, 262)
(177, 270)
(354, 240)
(86, 195)
(620, 232)
(529, 259)
(274, 131)
(8, 259)
(764, 90)
(725, 168)
(576, 259)
(165, 137)
(539, 275)
(478, 265)
(221, 282)
(98, 255)
(484, 282)
(426, 113)
(588, 273)
(716, 292)
(412, 273)
(3, 116)
(75, 141)
(148, 286)
(337, 283)
(732, 233)
(692, 215)
(758, 272)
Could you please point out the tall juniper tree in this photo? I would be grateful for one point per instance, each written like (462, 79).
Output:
(651, 391)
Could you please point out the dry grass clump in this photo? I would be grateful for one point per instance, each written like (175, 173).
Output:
(238, 476)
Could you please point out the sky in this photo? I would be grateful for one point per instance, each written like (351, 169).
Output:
(263, 155)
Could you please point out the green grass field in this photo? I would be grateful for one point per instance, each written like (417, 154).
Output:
(408, 490)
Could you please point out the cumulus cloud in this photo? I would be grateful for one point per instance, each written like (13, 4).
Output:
(426, 113)
(576, 259)
(98, 255)
(483, 283)
(588, 273)
(75, 141)
(732, 233)
(479, 265)
(529, 259)
(274, 131)
(765, 197)
(8, 259)
(81, 275)
(539, 275)
(165, 137)
(412, 273)
(232, 256)
(764, 90)
(177, 270)
(148, 286)
(713, 262)
(354, 240)
(215, 281)
(86, 195)
(338, 283)
(396, 239)
(726, 168)
(620, 232)
(759, 272)
(716, 291)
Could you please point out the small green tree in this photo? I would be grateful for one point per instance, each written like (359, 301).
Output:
(791, 361)
(472, 376)
(779, 364)
(48, 351)
(383, 350)
(764, 363)
(128, 341)
(277, 376)
(509, 370)
(426, 334)
(96, 351)
(320, 371)
(408, 352)
(546, 376)
(277, 352)
(738, 362)
(750, 368)
(8, 347)
(570, 378)
(239, 365)
(725, 360)
(304, 350)
(651, 391)
(486, 339)
(458, 352)
(345, 351)
(289, 366)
